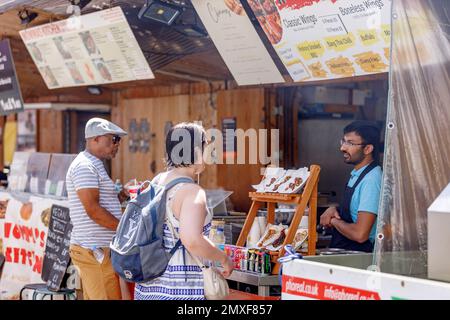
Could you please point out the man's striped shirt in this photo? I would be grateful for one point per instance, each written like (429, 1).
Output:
(87, 171)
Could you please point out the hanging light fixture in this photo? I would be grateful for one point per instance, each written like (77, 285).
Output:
(160, 11)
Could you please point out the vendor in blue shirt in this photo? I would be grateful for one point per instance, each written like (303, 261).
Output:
(354, 222)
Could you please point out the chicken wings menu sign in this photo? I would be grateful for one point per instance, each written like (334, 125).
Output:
(237, 41)
(327, 39)
(90, 49)
(10, 96)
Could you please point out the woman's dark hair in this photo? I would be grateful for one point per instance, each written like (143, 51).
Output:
(369, 132)
(182, 141)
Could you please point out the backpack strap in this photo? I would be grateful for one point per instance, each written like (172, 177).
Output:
(169, 186)
(175, 247)
(176, 181)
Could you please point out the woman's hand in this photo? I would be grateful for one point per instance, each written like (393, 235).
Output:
(227, 265)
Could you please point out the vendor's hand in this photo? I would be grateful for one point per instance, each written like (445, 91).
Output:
(325, 218)
(228, 266)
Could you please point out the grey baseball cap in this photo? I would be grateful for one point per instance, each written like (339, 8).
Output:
(99, 127)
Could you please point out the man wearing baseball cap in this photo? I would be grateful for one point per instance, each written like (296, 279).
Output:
(95, 210)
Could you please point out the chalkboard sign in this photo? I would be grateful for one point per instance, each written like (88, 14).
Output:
(56, 256)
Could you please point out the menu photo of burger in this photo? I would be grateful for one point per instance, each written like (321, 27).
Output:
(269, 18)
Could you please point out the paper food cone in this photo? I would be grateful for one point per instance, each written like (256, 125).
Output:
(262, 222)
(254, 234)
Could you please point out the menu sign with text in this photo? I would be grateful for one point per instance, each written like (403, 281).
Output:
(327, 39)
(57, 258)
(95, 48)
(10, 96)
(237, 42)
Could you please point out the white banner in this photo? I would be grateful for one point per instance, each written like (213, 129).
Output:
(24, 236)
(308, 280)
(237, 42)
(328, 39)
(84, 50)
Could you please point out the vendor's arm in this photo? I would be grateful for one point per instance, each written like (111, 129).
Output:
(358, 231)
(90, 198)
(367, 209)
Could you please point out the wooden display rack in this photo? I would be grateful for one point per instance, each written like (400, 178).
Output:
(309, 196)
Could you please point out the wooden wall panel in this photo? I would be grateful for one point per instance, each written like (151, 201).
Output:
(203, 108)
(50, 131)
(157, 111)
(248, 108)
(209, 108)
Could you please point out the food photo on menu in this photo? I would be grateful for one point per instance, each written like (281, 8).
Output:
(37, 55)
(88, 71)
(102, 69)
(235, 6)
(59, 42)
(49, 77)
(269, 18)
(89, 43)
(74, 73)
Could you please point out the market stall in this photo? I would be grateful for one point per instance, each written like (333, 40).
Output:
(410, 236)
(286, 76)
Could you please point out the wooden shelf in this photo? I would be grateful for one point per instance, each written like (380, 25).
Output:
(309, 196)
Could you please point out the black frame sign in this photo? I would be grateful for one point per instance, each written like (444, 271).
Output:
(56, 256)
(10, 96)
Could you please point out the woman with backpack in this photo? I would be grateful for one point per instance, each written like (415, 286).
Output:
(187, 219)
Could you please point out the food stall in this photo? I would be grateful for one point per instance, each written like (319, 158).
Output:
(409, 260)
(264, 66)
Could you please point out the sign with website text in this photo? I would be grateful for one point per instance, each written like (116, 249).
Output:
(95, 48)
(327, 39)
(237, 41)
(10, 95)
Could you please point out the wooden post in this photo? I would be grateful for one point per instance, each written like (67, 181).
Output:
(309, 195)
(312, 220)
(271, 212)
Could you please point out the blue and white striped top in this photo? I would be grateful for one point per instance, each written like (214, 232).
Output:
(87, 171)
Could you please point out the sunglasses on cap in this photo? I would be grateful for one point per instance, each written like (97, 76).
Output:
(116, 139)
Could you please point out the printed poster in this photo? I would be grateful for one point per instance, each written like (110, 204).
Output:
(26, 131)
(91, 49)
(327, 39)
(237, 41)
(25, 228)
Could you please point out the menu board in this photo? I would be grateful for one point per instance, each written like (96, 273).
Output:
(56, 255)
(237, 41)
(10, 95)
(328, 39)
(95, 48)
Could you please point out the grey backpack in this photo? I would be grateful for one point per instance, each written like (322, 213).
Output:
(137, 250)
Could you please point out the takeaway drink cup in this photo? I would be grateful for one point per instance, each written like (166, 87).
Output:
(133, 190)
